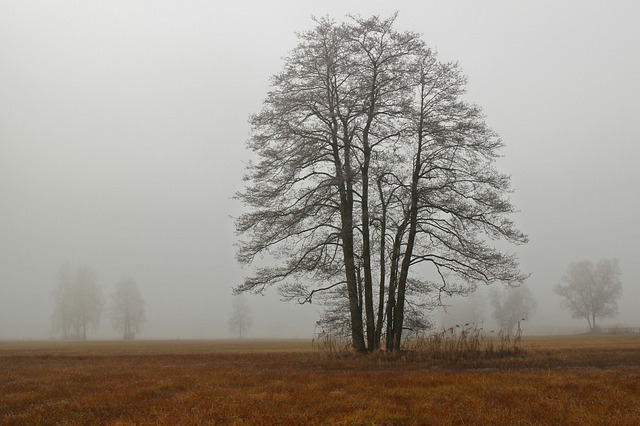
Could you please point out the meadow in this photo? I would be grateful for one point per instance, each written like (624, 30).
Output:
(552, 380)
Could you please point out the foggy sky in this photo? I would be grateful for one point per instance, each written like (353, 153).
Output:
(123, 124)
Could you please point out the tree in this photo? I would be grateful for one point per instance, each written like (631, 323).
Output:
(468, 309)
(372, 174)
(511, 306)
(240, 320)
(591, 291)
(127, 308)
(79, 302)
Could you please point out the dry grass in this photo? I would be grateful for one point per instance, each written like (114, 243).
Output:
(577, 380)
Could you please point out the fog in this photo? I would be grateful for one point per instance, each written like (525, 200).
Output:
(123, 124)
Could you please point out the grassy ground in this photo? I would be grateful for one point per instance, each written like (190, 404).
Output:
(560, 380)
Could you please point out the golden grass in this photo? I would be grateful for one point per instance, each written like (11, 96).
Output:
(577, 380)
(121, 347)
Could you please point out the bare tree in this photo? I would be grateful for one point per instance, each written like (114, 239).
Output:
(240, 320)
(370, 164)
(127, 308)
(511, 306)
(591, 291)
(64, 301)
(79, 302)
(469, 309)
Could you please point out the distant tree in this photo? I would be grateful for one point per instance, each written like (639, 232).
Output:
(78, 302)
(511, 306)
(373, 172)
(591, 291)
(127, 308)
(240, 320)
(63, 294)
(466, 310)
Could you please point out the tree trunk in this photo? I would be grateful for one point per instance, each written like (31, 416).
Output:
(366, 233)
(357, 329)
(398, 320)
(366, 257)
(345, 187)
(383, 267)
(393, 284)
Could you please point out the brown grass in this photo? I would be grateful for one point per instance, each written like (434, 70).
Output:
(576, 380)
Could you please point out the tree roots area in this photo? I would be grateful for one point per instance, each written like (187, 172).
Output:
(584, 379)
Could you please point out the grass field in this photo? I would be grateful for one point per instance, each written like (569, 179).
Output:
(561, 380)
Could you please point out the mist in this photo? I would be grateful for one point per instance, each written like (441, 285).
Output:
(123, 128)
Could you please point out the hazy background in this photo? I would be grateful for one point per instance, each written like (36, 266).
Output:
(123, 123)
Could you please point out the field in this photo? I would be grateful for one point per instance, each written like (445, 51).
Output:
(570, 380)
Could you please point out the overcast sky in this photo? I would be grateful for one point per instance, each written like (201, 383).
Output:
(123, 128)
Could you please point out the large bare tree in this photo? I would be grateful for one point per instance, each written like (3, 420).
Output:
(127, 308)
(369, 164)
(79, 302)
(591, 291)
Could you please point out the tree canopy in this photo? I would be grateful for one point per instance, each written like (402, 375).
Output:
(374, 184)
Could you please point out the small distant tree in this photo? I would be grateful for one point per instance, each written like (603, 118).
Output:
(79, 302)
(240, 320)
(127, 308)
(511, 306)
(591, 291)
(465, 310)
